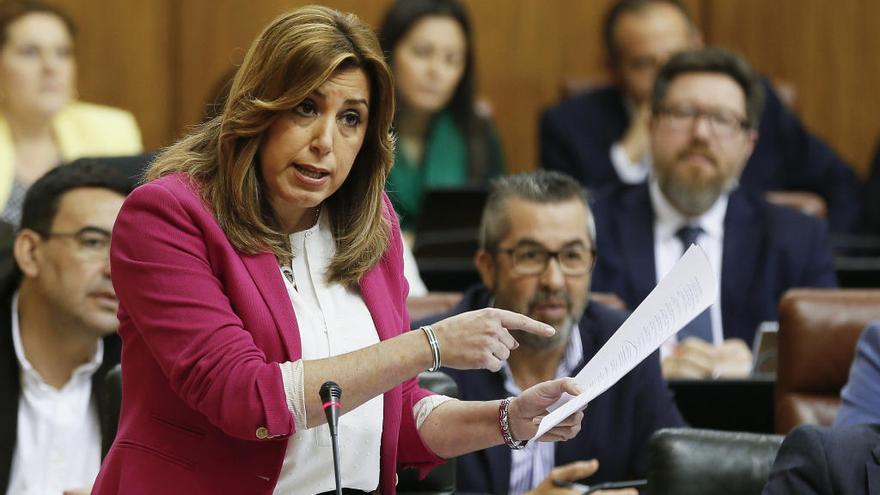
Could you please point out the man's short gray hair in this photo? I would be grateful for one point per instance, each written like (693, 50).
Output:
(540, 186)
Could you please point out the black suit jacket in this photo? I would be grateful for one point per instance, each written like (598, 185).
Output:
(617, 424)
(10, 383)
(820, 461)
(576, 138)
(767, 250)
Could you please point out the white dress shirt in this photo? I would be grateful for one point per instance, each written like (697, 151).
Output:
(668, 248)
(332, 320)
(58, 437)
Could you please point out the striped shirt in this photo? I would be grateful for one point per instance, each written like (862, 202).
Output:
(531, 465)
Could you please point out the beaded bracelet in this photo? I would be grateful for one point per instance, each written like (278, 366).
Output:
(435, 346)
(504, 425)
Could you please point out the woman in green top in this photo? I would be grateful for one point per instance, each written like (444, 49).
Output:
(441, 140)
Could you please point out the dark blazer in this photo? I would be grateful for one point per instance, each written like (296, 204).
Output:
(577, 134)
(10, 383)
(815, 460)
(767, 250)
(616, 426)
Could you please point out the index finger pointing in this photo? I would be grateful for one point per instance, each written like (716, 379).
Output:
(516, 321)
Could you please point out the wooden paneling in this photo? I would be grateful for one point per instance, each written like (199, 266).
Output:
(828, 50)
(525, 50)
(124, 59)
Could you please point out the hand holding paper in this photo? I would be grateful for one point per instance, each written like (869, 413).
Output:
(533, 403)
(684, 293)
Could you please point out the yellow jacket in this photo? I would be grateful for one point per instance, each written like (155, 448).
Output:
(81, 130)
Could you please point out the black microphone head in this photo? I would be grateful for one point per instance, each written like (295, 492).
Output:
(330, 392)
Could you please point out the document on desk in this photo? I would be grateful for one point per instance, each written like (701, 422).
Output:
(684, 293)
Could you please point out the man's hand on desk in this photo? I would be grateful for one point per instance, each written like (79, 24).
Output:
(692, 358)
(734, 359)
(696, 358)
(570, 473)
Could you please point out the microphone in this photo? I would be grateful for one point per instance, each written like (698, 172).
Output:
(330, 397)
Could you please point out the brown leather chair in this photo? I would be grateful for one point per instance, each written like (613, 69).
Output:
(818, 331)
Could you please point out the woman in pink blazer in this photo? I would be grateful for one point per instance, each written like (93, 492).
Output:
(262, 259)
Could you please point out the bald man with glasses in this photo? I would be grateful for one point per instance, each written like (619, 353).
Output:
(537, 251)
(705, 109)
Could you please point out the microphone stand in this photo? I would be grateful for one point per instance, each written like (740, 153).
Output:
(330, 396)
(336, 462)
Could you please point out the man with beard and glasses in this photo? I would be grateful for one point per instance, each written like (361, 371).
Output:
(58, 332)
(705, 111)
(537, 249)
(601, 137)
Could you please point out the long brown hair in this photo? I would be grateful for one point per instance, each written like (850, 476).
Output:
(291, 58)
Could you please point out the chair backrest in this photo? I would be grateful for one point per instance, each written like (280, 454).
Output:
(685, 461)
(818, 331)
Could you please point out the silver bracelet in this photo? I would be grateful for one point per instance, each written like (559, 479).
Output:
(504, 425)
(435, 346)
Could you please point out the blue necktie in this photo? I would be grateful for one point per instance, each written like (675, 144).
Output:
(701, 326)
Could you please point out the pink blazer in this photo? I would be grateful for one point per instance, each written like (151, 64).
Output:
(203, 327)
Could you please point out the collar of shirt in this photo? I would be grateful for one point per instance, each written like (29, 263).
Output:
(574, 354)
(82, 372)
(667, 220)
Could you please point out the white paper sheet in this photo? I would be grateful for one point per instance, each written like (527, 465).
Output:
(683, 294)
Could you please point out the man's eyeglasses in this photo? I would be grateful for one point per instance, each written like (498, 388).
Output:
(531, 259)
(91, 242)
(723, 124)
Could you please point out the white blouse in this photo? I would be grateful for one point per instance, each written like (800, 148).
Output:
(332, 320)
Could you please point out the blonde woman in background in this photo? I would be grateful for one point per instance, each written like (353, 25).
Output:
(41, 123)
